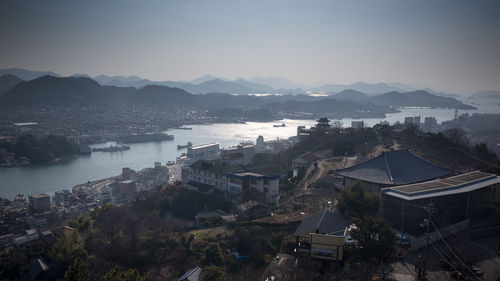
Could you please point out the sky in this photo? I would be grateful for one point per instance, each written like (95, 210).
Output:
(450, 45)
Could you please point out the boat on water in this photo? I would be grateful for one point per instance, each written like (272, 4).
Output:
(112, 148)
(279, 125)
(181, 146)
(132, 138)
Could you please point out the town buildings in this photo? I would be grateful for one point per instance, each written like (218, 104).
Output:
(240, 154)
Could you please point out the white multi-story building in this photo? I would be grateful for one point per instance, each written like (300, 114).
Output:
(203, 152)
(242, 185)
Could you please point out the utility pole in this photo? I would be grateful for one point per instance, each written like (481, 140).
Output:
(429, 208)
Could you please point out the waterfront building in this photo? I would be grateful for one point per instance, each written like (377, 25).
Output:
(454, 199)
(202, 152)
(429, 125)
(61, 196)
(413, 121)
(39, 203)
(128, 174)
(391, 168)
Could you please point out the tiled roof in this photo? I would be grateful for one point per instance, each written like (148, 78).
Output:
(394, 168)
(324, 222)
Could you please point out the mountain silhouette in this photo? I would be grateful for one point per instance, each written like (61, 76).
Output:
(25, 74)
(418, 98)
(7, 82)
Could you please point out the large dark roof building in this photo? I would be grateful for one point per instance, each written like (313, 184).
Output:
(396, 167)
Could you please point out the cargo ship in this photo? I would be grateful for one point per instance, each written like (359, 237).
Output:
(146, 137)
(280, 125)
(111, 148)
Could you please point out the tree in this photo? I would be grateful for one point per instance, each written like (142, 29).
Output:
(337, 125)
(357, 201)
(213, 273)
(129, 275)
(78, 271)
(212, 254)
(375, 242)
(64, 253)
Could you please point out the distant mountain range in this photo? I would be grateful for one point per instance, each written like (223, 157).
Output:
(212, 84)
(80, 92)
(24, 74)
(488, 94)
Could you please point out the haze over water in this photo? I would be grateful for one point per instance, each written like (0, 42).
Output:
(70, 172)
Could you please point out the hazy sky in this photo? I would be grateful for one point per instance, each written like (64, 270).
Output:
(445, 44)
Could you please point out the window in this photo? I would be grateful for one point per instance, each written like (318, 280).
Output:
(266, 181)
(266, 190)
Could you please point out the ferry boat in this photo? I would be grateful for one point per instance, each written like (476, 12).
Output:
(279, 125)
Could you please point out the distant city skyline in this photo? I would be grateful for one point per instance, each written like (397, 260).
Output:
(447, 45)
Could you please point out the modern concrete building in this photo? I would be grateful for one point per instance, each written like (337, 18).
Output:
(202, 152)
(429, 125)
(203, 175)
(39, 203)
(252, 185)
(247, 151)
(61, 196)
(240, 185)
(455, 199)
